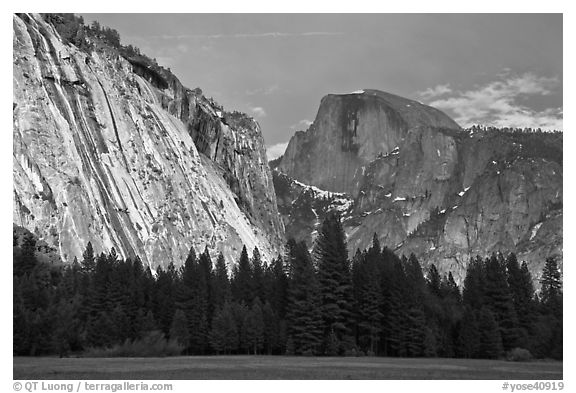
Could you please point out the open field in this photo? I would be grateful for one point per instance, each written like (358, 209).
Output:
(280, 367)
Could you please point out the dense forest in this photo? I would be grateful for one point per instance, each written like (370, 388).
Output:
(319, 303)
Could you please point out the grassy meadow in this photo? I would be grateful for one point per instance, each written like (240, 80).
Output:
(279, 367)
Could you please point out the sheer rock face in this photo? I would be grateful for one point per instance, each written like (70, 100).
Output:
(423, 184)
(101, 153)
(349, 132)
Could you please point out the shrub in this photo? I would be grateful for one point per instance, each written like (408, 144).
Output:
(153, 344)
(518, 355)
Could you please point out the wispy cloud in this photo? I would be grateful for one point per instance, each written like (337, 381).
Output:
(273, 34)
(265, 91)
(302, 124)
(275, 151)
(498, 103)
(258, 111)
(436, 91)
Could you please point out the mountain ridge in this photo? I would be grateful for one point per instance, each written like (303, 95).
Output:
(427, 187)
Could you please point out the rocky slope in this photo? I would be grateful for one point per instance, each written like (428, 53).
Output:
(412, 176)
(109, 149)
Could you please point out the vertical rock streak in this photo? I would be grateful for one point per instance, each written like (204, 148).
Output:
(126, 171)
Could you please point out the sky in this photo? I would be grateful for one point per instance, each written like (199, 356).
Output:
(492, 69)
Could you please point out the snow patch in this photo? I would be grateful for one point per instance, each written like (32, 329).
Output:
(358, 92)
(406, 214)
(399, 199)
(442, 211)
(535, 230)
(432, 248)
(388, 195)
(461, 193)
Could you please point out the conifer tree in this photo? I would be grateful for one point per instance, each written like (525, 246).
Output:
(433, 280)
(258, 268)
(303, 308)
(192, 300)
(254, 328)
(368, 297)
(242, 284)
(179, 329)
(490, 340)
(27, 258)
(164, 296)
(469, 335)
(88, 260)
(224, 334)
(551, 292)
(551, 305)
(279, 292)
(522, 289)
(221, 283)
(474, 283)
(206, 270)
(271, 329)
(499, 300)
(334, 279)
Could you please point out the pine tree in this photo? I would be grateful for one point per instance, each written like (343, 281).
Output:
(499, 300)
(206, 270)
(254, 328)
(239, 311)
(271, 329)
(242, 284)
(164, 296)
(474, 283)
(179, 329)
(224, 334)
(368, 297)
(192, 299)
(27, 258)
(490, 340)
(551, 306)
(221, 283)
(279, 292)
(334, 279)
(522, 289)
(303, 309)
(449, 289)
(88, 260)
(469, 335)
(551, 292)
(258, 288)
(396, 305)
(433, 280)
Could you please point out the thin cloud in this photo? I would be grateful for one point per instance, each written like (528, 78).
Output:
(265, 91)
(275, 151)
(434, 92)
(304, 123)
(274, 34)
(497, 103)
(258, 111)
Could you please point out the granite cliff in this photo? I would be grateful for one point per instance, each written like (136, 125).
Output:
(409, 173)
(111, 149)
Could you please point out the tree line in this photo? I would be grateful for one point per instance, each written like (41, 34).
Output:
(305, 303)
